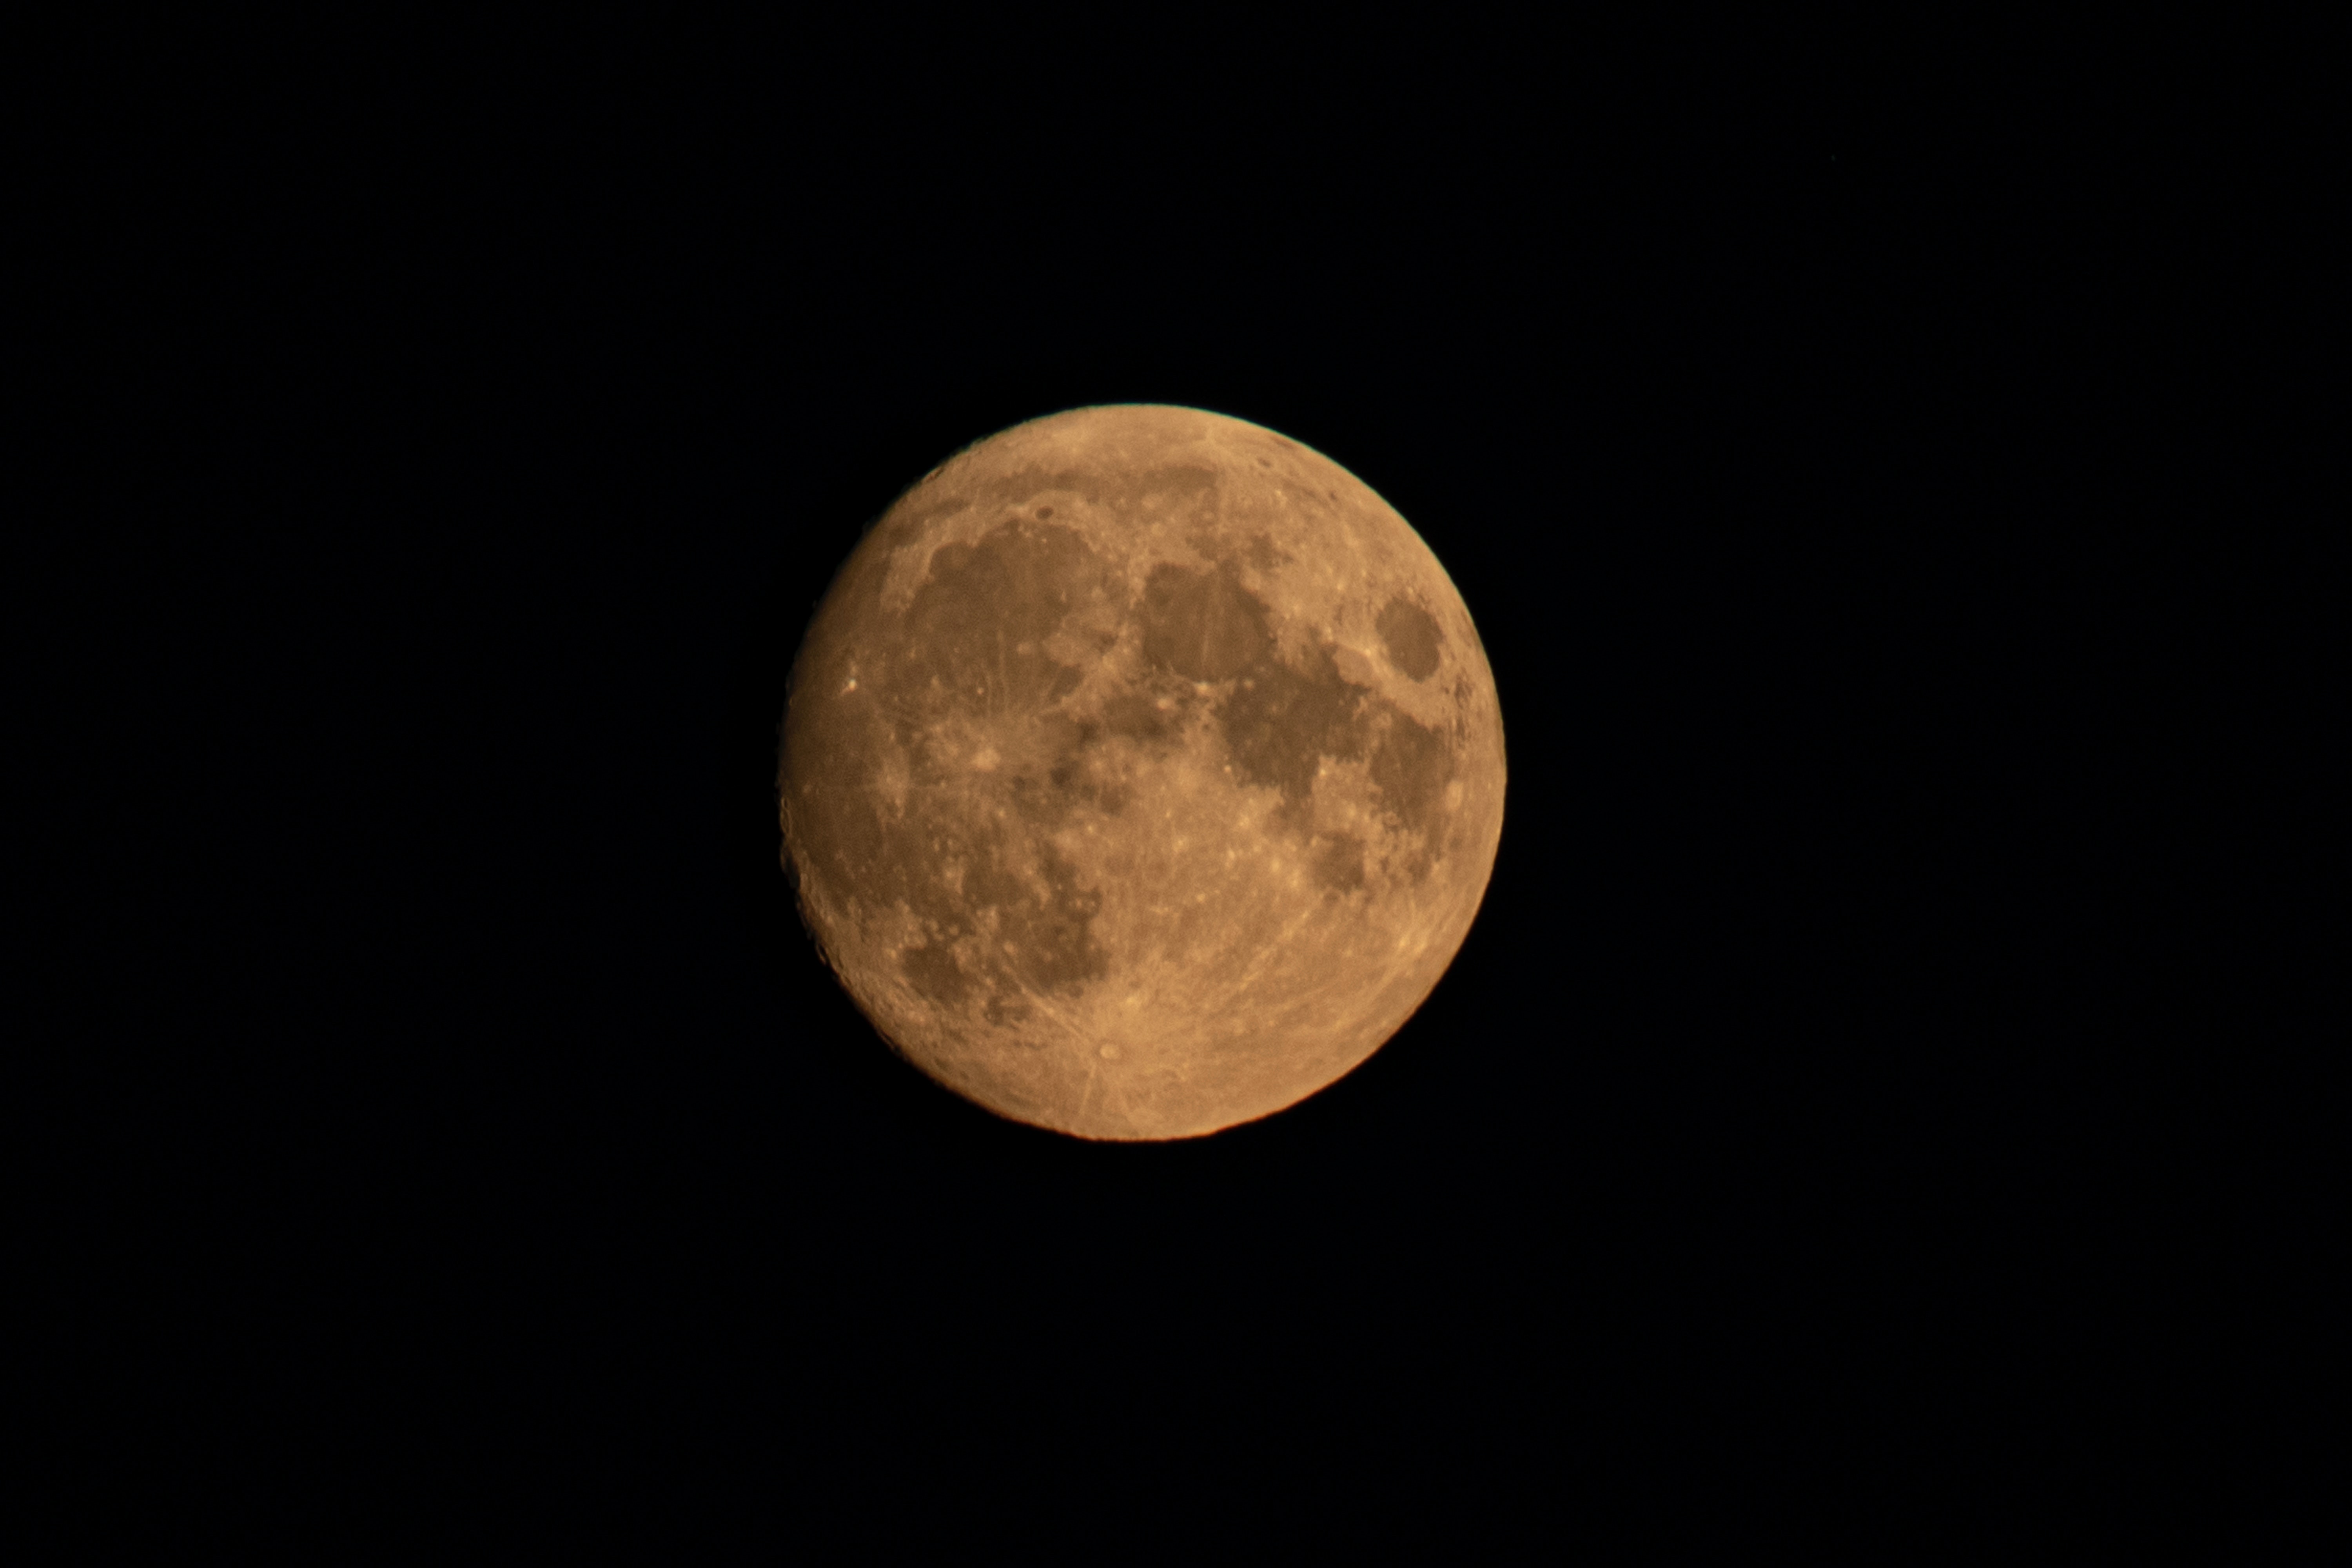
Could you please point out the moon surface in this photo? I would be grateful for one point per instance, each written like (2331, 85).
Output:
(1141, 773)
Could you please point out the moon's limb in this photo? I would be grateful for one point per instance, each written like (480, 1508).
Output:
(1142, 773)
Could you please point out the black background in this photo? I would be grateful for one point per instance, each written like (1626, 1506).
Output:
(1810, 1081)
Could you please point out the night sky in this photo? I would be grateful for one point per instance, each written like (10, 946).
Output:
(1821, 1064)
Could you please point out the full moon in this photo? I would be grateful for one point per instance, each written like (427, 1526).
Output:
(1142, 772)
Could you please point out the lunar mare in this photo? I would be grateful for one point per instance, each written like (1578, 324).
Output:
(1142, 773)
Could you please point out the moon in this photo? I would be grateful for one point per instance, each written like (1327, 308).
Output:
(1142, 772)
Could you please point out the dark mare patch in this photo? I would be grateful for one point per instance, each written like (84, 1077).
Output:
(1263, 554)
(1013, 921)
(1135, 716)
(1338, 863)
(1412, 766)
(976, 627)
(1049, 934)
(1201, 624)
(933, 972)
(1411, 638)
(1281, 722)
